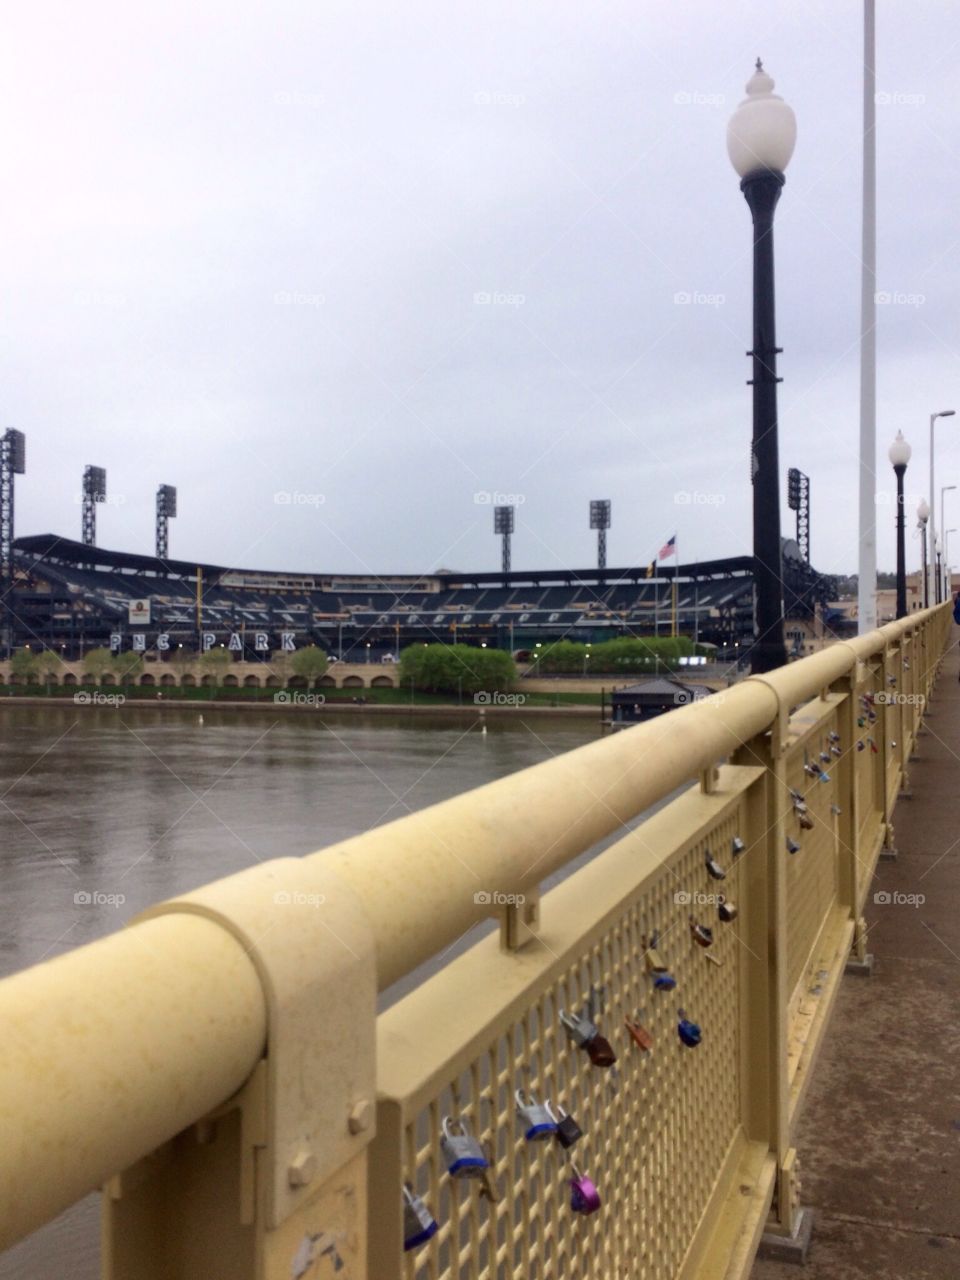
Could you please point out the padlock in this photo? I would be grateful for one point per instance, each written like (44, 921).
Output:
(664, 981)
(792, 846)
(640, 1036)
(727, 911)
(825, 757)
(799, 803)
(891, 680)
(806, 821)
(462, 1152)
(701, 934)
(824, 776)
(419, 1224)
(585, 1034)
(689, 1032)
(873, 746)
(584, 1196)
(600, 1051)
(861, 721)
(567, 1132)
(714, 869)
(833, 736)
(811, 768)
(861, 744)
(579, 1028)
(538, 1124)
(737, 846)
(835, 810)
(836, 751)
(652, 958)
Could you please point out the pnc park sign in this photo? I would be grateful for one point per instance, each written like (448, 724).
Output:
(261, 642)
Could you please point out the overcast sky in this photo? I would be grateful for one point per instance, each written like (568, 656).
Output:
(246, 248)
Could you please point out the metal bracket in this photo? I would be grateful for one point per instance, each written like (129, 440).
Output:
(519, 922)
(275, 1176)
(313, 949)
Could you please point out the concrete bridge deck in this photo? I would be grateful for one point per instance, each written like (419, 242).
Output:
(880, 1133)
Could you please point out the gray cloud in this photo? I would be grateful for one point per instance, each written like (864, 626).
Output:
(246, 251)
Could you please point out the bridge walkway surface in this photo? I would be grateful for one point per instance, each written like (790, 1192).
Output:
(880, 1134)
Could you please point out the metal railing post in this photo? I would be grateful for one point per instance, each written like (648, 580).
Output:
(766, 1106)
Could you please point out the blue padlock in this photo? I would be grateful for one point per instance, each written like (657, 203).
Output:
(689, 1032)
(461, 1151)
(419, 1224)
(664, 981)
(539, 1125)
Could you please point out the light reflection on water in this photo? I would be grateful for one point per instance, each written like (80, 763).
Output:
(106, 811)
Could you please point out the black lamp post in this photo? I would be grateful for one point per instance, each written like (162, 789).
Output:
(923, 515)
(899, 455)
(760, 140)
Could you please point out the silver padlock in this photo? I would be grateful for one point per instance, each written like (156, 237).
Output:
(737, 846)
(579, 1028)
(714, 869)
(535, 1117)
(461, 1150)
(419, 1224)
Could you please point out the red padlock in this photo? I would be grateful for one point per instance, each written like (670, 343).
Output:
(640, 1036)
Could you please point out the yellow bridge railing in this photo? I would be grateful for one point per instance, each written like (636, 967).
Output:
(221, 1069)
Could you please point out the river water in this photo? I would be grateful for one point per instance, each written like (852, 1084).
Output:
(107, 810)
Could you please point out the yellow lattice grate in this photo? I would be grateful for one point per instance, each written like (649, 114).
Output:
(657, 1127)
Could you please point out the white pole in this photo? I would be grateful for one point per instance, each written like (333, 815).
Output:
(867, 584)
(931, 571)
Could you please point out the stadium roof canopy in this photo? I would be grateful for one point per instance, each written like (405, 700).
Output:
(48, 546)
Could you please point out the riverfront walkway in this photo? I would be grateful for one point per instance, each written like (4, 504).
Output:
(879, 1137)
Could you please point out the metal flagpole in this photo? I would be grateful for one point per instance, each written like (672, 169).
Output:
(867, 581)
(676, 584)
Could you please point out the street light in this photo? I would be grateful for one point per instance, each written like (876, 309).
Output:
(943, 413)
(760, 141)
(947, 576)
(942, 592)
(923, 515)
(899, 455)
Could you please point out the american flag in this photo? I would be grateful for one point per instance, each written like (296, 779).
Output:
(668, 548)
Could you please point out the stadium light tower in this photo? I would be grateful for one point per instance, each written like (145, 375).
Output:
(94, 491)
(13, 457)
(503, 524)
(798, 500)
(760, 141)
(600, 520)
(166, 510)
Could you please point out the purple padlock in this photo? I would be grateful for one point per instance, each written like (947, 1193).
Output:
(584, 1196)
